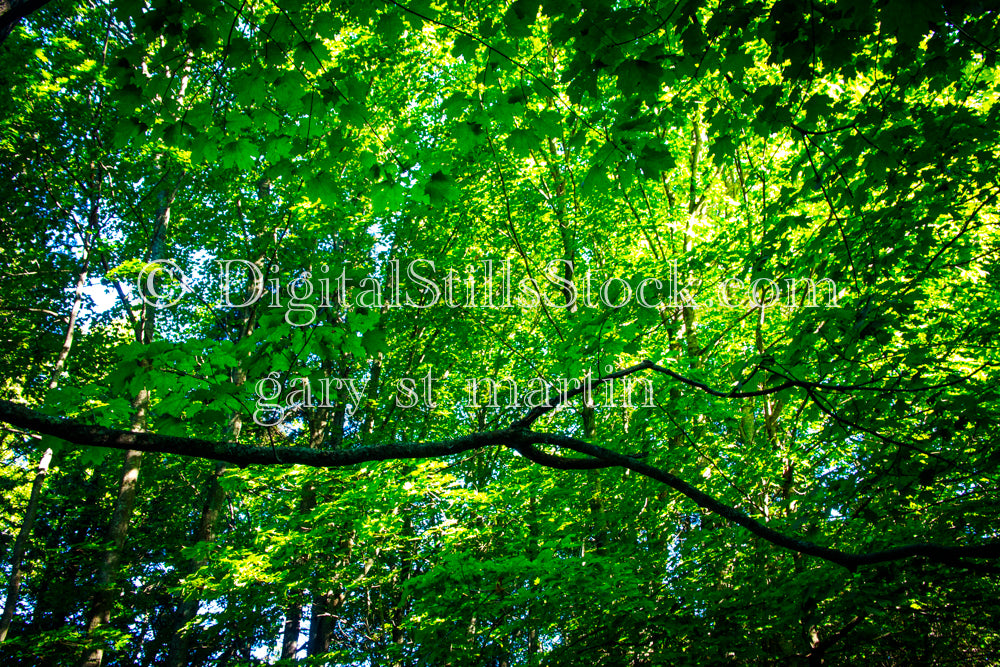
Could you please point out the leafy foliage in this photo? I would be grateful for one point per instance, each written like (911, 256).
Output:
(771, 225)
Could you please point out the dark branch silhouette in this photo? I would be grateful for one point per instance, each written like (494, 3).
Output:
(518, 438)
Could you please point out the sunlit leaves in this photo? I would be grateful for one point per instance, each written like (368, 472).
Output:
(705, 148)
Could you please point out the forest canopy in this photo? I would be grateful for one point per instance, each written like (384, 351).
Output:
(550, 332)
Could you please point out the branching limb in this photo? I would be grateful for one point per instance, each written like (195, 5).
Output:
(518, 439)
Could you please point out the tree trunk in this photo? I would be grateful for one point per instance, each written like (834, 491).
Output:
(104, 596)
(24, 533)
(181, 640)
(52, 606)
(21, 544)
(293, 626)
(215, 496)
(293, 613)
(323, 425)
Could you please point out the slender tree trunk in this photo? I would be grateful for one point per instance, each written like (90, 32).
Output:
(21, 544)
(324, 425)
(180, 642)
(52, 606)
(104, 597)
(326, 602)
(215, 496)
(534, 538)
(293, 613)
(307, 502)
(395, 600)
(24, 533)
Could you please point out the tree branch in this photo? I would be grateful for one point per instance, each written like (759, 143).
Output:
(848, 560)
(519, 439)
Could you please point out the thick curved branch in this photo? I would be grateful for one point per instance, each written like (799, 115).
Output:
(848, 560)
(536, 455)
(90, 435)
(518, 439)
(242, 455)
